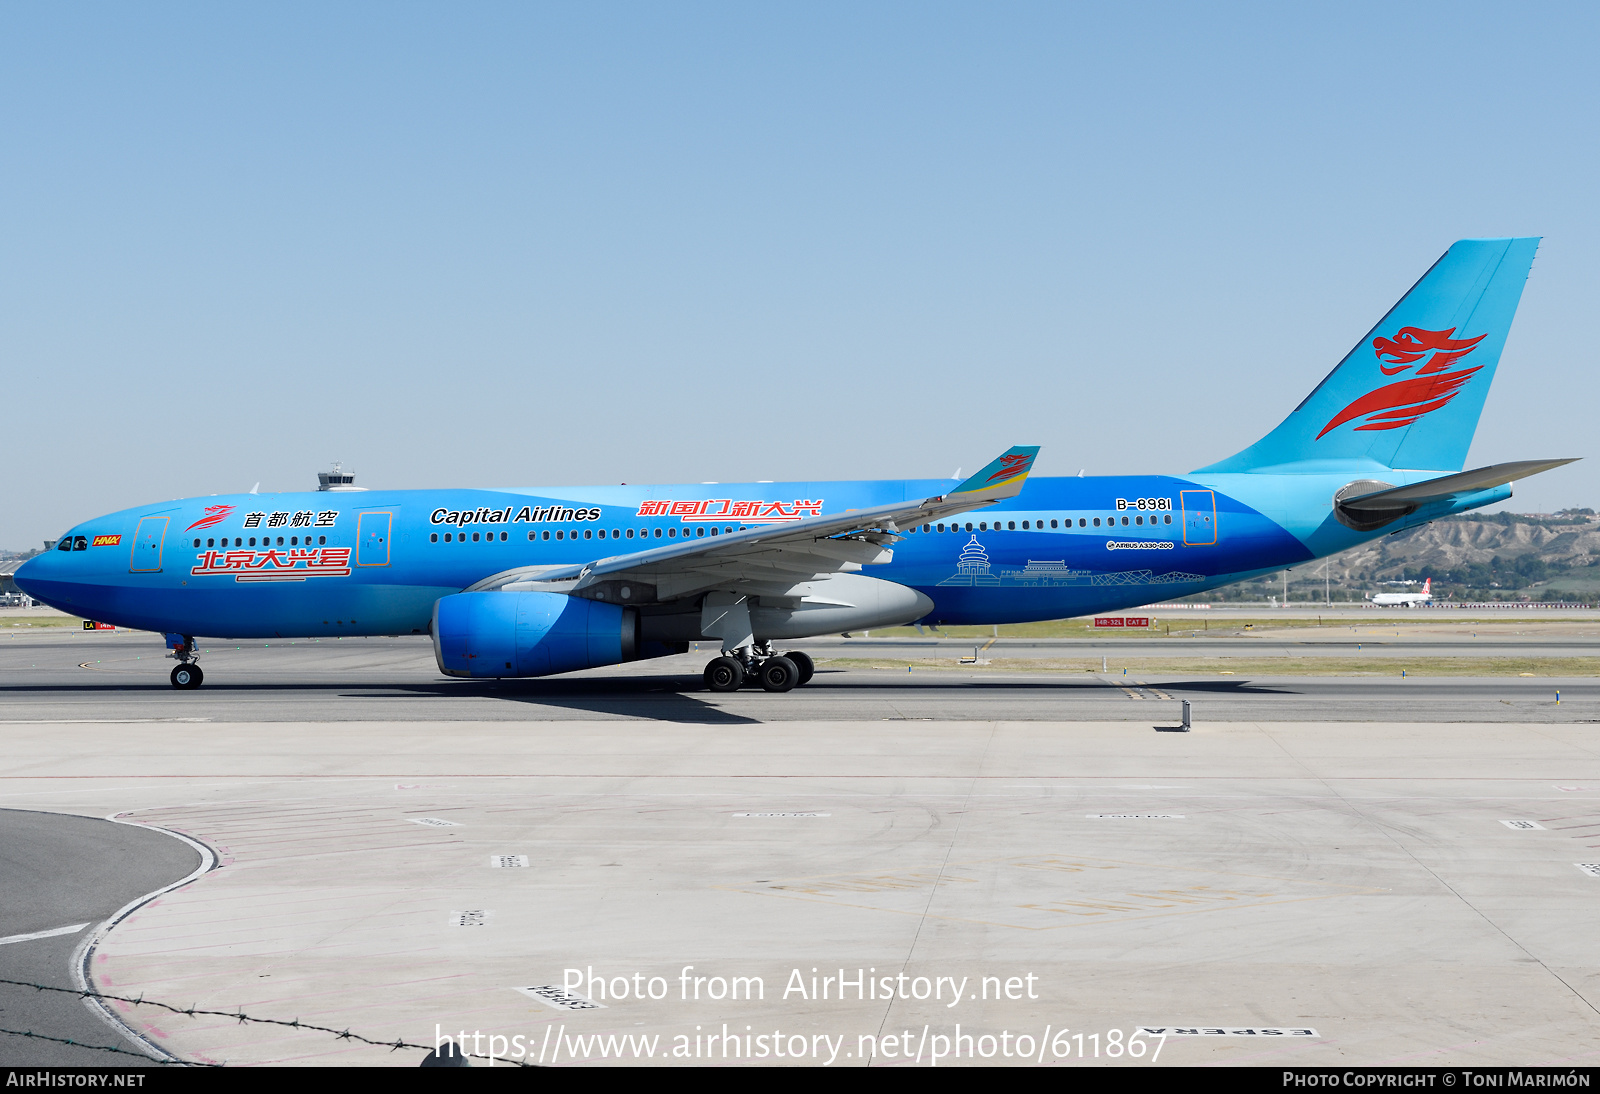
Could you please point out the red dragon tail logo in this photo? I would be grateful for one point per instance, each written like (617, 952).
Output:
(1399, 404)
(215, 514)
(1011, 465)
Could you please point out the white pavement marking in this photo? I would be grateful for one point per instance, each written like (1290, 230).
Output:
(10, 938)
(782, 814)
(83, 957)
(558, 998)
(91, 721)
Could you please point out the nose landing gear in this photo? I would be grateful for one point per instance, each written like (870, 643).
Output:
(186, 675)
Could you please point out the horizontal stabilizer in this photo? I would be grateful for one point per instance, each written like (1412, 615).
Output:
(1466, 482)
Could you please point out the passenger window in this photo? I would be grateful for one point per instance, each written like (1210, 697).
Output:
(983, 526)
(280, 541)
(209, 543)
(1168, 518)
(1097, 522)
(672, 533)
(1124, 521)
(658, 533)
(924, 527)
(1011, 525)
(588, 533)
(475, 537)
(545, 534)
(504, 536)
(1136, 520)
(1024, 526)
(560, 534)
(630, 533)
(969, 526)
(700, 531)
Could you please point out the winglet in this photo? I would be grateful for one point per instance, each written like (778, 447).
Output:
(999, 480)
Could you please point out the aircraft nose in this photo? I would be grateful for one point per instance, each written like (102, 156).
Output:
(28, 573)
(49, 579)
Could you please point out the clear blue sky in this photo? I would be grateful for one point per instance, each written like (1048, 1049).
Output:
(537, 244)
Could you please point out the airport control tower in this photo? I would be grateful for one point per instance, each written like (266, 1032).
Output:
(338, 479)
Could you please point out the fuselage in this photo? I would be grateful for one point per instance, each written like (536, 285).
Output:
(375, 562)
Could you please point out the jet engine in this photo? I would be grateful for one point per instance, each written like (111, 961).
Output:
(500, 634)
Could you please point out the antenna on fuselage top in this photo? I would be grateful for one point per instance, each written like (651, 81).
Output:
(256, 489)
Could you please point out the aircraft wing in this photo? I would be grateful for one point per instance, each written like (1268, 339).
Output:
(1465, 482)
(769, 559)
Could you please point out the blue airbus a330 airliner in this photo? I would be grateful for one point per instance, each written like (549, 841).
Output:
(541, 580)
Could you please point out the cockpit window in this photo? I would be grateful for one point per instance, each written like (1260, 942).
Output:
(80, 543)
(65, 544)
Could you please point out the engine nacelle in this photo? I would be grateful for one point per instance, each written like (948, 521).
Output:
(498, 634)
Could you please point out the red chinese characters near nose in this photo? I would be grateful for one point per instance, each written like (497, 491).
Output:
(292, 564)
(1401, 403)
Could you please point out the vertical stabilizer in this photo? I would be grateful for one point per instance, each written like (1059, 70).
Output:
(1410, 393)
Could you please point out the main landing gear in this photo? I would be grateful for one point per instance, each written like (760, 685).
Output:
(759, 665)
(186, 675)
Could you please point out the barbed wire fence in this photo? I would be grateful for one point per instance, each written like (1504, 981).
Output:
(237, 1015)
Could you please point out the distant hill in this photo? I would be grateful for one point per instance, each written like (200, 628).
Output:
(1500, 556)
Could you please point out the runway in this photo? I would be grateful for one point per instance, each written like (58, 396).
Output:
(1380, 869)
(88, 678)
(1376, 642)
